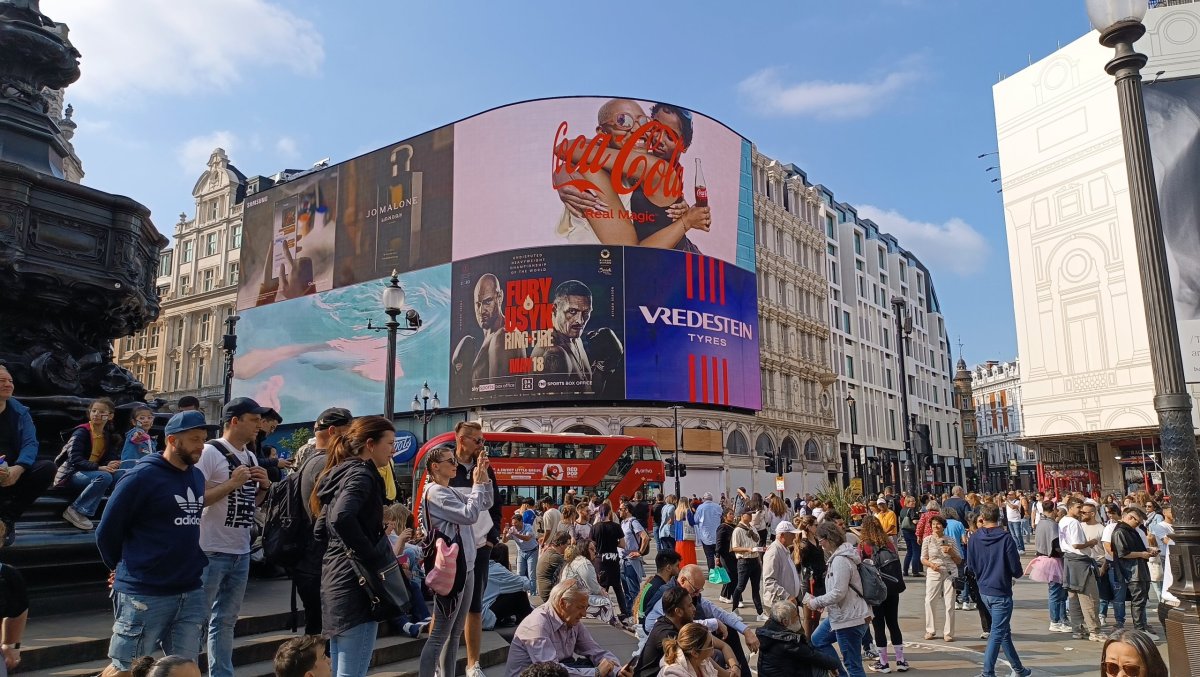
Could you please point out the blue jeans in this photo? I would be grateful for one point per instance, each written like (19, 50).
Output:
(1001, 609)
(912, 552)
(1057, 601)
(91, 485)
(144, 623)
(1017, 531)
(632, 573)
(527, 566)
(225, 586)
(1120, 593)
(350, 652)
(849, 640)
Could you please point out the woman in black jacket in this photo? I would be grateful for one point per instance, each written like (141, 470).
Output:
(93, 462)
(349, 500)
(728, 560)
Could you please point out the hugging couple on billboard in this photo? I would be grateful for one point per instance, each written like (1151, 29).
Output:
(624, 186)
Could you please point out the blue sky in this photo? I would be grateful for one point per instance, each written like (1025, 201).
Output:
(886, 102)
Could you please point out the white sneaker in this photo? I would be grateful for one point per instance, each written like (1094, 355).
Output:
(724, 600)
(475, 671)
(739, 604)
(1060, 627)
(762, 618)
(957, 606)
(75, 519)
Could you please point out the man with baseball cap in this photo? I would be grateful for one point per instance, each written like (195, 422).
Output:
(234, 485)
(149, 536)
(781, 581)
(310, 461)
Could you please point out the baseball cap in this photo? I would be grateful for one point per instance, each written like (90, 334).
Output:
(185, 421)
(333, 416)
(881, 502)
(240, 407)
(273, 415)
(785, 528)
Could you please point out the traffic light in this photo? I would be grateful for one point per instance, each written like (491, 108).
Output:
(771, 463)
(682, 470)
(789, 463)
(669, 467)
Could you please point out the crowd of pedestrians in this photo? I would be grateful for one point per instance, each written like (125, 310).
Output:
(825, 588)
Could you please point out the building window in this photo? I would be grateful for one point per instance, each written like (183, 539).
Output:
(736, 444)
(829, 227)
(849, 367)
(846, 322)
(177, 375)
(200, 372)
(179, 332)
(205, 327)
(234, 272)
(214, 210)
(812, 452)
(128, 344)
(858, 243)
(141, 340)
(185, 285)
(235, 237)
(164, 264)
(151, 374)
(882, 258)
(207, 279)
(210, 244)
(188, 251)
(153, 335)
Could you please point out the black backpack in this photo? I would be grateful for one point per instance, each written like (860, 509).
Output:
(287, 528)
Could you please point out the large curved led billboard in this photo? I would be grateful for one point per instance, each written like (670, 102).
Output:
(557, 221)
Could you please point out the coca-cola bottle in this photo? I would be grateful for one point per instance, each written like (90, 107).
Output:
(701, 187)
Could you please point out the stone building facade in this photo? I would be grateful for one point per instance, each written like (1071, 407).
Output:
(996, 390)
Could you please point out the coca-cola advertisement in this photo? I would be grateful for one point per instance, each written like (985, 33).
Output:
(537, 324)
(604, 171)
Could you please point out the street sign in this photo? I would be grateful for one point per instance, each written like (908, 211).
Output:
(779, 483)
(929, 474)
(1156, 477)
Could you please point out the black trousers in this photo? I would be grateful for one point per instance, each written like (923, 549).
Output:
(749, 571)
(15, 500)
(730, 563)
(511, 604)
(710, 554)
(887, 616)
(308, 589)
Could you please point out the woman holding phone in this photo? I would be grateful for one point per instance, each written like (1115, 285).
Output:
(940, 558)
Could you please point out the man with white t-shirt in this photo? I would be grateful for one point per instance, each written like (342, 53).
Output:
(1016, 521)
(1079, 573)
(234, 484)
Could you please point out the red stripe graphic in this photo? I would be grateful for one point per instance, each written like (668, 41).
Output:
(721, 268)
(725, 379)
(691, 375)
(704, 375)
(701, 280)
(716, 385)
(689, 276)
(712, 281)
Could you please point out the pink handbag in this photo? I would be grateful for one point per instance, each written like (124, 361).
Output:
(440, 578)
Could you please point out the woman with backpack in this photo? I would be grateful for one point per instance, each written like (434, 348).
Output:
(349, 503)
(909, 516)
(875, 545)
(446, 512)
(846, 612)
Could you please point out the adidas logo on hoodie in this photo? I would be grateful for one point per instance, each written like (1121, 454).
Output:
(191, 507)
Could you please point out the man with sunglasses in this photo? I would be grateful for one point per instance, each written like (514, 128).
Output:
(1131, 558)
(468, 447)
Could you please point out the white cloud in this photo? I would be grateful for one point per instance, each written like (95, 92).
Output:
(953, 246)
(136, 47)
(287, 148)
(194, 153)
(766, 93)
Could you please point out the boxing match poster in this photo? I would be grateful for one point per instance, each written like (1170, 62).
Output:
(534, 324)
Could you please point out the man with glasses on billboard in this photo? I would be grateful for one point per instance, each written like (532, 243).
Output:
(468, 447)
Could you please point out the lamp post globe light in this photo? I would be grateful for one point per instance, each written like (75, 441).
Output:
(393, 305)
(425, 407)
(1120, 26)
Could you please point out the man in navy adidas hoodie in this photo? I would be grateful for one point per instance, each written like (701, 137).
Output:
(992, 556)
(149, 536)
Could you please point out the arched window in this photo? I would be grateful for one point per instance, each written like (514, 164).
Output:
(763, 445)
(812, 451)
(737, 445)
(518, 429)
(581, 429)
(789, 449)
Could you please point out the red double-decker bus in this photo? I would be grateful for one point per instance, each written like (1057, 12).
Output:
(532, 465)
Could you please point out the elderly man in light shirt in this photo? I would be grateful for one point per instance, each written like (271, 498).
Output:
(781, 581)
(708, 518)
(553, 633)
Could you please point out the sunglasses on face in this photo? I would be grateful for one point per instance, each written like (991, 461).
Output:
(1113, 668)
(628, 121)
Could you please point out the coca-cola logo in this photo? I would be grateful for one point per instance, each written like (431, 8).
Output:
(629, 170)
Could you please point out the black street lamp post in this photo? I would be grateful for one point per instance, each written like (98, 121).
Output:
(851, 458)
(393, 305)
(229, 345)
(425, 408)
(903, 330)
